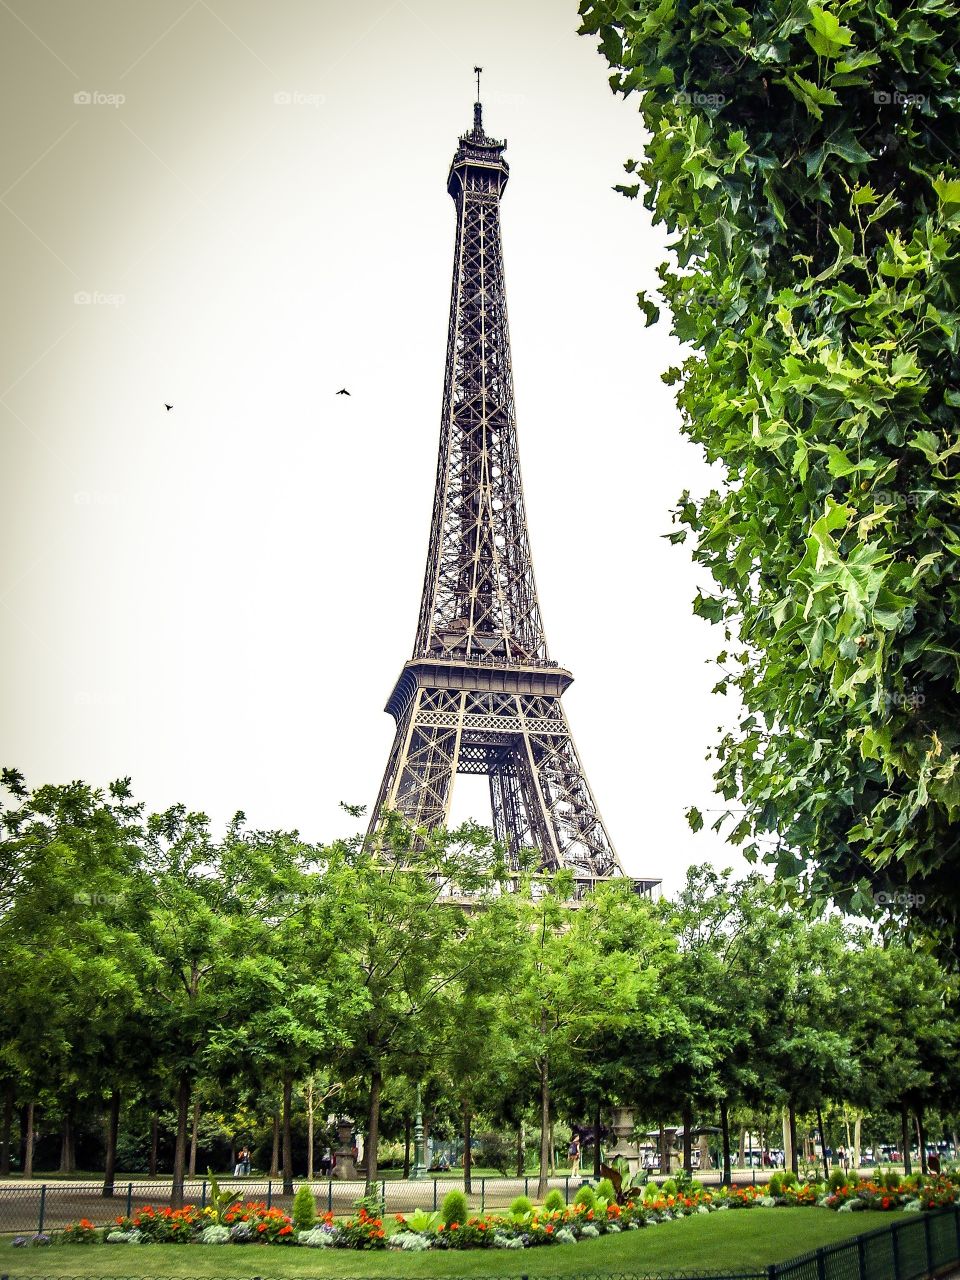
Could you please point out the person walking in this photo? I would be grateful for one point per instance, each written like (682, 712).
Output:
(573, 1151)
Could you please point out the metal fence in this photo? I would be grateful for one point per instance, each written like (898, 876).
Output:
(50, 1206)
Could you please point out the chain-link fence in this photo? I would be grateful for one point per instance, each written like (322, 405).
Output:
(50, 1206)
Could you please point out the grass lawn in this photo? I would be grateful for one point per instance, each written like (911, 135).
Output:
(737, 1240)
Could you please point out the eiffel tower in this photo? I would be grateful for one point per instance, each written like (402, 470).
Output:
(480, 694)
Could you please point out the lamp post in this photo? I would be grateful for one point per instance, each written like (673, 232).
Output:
(419, 1169)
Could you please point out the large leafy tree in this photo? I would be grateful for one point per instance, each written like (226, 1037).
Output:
(804, 159)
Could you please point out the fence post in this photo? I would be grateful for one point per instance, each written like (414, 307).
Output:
(821, 1265)
(203, 1194)
(269, 1192)
(43, 1206)
(862, 1259)
(526, 1187)
(434, 1195)
(928, 1243)
(129, 1199)
(894, 1233)
(383, 1196)
(772, 1271)
(566, 1189)
(329, 1195)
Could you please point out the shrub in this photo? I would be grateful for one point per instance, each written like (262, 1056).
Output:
(304, 1208)
(498, 1152)
(82, 1232)
(522, 1204)
(555, 1202)
(775, 1186)
(837, 1179)
(605, 1191)
(454, 1208)
(587, 1197)
(669, 1187)
(651, 1191)
(788, 1178)
(890, 1179)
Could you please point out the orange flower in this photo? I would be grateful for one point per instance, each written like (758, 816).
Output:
(549, 1231)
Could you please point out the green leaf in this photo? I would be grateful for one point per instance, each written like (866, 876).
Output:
(695, 818)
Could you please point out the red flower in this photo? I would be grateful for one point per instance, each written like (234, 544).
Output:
(285, 1231)
(549, 1230)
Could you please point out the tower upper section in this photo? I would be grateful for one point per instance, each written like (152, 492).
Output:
(479, 595)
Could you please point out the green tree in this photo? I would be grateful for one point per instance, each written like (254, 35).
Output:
(406, 935)
(804, 161)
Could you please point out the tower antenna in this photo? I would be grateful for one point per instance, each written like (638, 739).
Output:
(477, 71)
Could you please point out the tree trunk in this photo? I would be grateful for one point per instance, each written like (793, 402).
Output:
(856, 1145)
(194, 1134)
(154, 1144)
(6, 1130)
(28, 1142)
(725, 1132)
(275, 1151)
(823, 1142)
(664, 1152)
(180, 1147)
(309, 1099)
(467, 1153)
(922, 1140)
(792, 1121)
(905, 1139)
(406, 1146)
(521, 1151)
(544, 1127)
(742, 1149)
(287, 1134)
(373, 1126)
(110, 1159)
(687, 1114)
(597, 1155)
(68, 1162)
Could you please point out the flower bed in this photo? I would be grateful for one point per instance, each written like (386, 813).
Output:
(524, 1227)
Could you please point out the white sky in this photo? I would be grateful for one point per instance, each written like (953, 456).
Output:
(217, 600)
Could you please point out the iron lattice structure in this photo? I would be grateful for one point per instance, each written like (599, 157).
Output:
(480, 694)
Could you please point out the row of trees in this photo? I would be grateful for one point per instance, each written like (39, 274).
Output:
(148, 964)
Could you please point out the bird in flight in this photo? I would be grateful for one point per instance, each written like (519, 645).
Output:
(343, 392)
(168, 407)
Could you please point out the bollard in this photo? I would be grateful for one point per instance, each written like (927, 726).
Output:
(129, 1199)
(43, 1206)
(269, 1193)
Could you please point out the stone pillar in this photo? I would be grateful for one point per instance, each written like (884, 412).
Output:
(345, 1168)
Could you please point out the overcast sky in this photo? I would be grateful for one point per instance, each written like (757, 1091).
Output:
(217, 599)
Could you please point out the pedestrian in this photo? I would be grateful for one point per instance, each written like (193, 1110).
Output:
(238, 1167)
(573, 1151)
(842, 1158)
